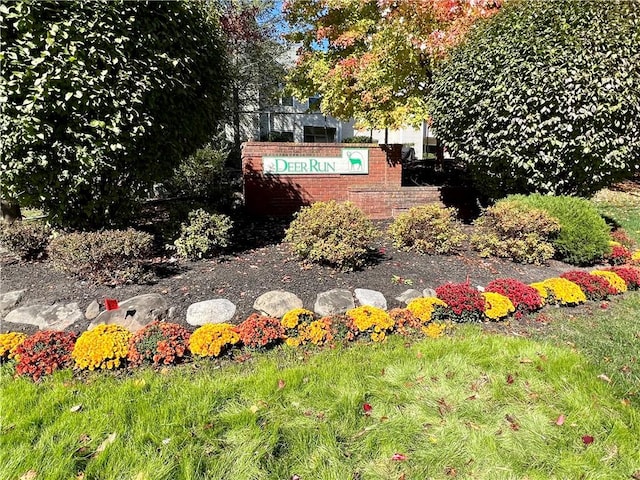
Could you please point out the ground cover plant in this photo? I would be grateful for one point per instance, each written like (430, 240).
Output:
(469, 404)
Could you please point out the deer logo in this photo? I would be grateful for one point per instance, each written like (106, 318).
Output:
(355, 160)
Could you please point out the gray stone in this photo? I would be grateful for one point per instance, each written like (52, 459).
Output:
(219, 310)
(429, 292)
(276, 303)
(370, 297)
(408, 295)
(333, 302)
(58, 316)
(93, 310)
(172, 313)
(134, 313)
(9, 300)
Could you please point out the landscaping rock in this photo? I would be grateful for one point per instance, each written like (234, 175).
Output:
(93, 310)
(276, 303)
(219, 310)
(370, 297)
(333, 302)
(9, 300)
(429, 292)
(408, 295)
(134, 313)
(58, 316)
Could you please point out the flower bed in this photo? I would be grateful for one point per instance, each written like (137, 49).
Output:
(108, 347)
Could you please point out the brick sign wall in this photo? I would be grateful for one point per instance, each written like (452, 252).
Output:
(304, 174)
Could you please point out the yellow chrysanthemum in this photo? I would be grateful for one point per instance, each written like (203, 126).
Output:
(210, 339)
(497, 306)
(542, 290)
(9, 342)
(434, 330)
(615, 280)
(292, 318)
(613, 243)
(422, 308)
(316, 332)
(564, 291)
(104, 347)
(373, 320)
(635, 256)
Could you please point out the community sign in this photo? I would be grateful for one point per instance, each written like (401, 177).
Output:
(352, 161)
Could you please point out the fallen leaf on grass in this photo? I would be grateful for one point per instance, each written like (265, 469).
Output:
(398, 457)
(526, 360)
(636, 475)
(512, 422)
(76, 408)
(103, 446)
(625, 402)
(509, 379)
(30, 475)
(560, 420)
(281, 384)
(587, 439)
(604, 378)
(367, 409)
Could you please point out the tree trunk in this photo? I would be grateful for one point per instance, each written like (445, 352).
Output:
(10, 211)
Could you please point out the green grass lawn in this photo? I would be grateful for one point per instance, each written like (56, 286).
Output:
(623, 208)
(475, 406)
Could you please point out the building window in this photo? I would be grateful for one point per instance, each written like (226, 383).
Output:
(314, 104)
(286, 101)
(319, 135)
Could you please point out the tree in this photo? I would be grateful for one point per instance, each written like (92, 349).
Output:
(373, 60)
(544, 97)
(254, 52)
(100, 100)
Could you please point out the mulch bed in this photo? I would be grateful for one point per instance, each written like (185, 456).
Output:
(261, 263)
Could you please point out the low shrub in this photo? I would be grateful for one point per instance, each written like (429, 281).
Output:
(497, 306)
(584, 235)
(159, 343)
(594, 287)
(199, 175)
(510, 230)
(427, 229)
(204, 235)
(359, 139)
(631, 275)
(620, 236)
(464, 302)
(109, 256)
(9, 343)
(104, 347)
(563, 292)
(44, 352)
(295, 323)
(369, 320)
(28, 240)
(338, 234)
(525, 298)
(615, 281)
(213, 339)
(259, 331)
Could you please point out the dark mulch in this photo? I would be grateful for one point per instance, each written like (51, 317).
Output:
(262, 263)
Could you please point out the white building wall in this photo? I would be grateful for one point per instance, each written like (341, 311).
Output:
(418, 138)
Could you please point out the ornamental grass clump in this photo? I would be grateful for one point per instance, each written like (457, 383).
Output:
(260, 331)
(295, 323)
(563, 292)
(104, 347)
(44, 352)
(369, 320)
(213, 339)
(333, 233)
(427, 229)
(9, 343)
(616, 282)
(159, 343)
(630, 275)
(525, 298)
(497, 306)
(594, 287)
(464, 302)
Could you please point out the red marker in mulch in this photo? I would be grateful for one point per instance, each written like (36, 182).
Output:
(111, 304)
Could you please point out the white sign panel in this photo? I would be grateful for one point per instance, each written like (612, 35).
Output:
(354, 161)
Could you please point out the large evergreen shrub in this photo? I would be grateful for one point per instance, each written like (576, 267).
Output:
(101, 99)
(544, 97)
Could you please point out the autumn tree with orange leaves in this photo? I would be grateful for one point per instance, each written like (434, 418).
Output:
(372, 60)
